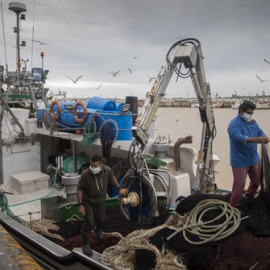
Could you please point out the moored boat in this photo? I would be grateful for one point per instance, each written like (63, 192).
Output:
(54, 147)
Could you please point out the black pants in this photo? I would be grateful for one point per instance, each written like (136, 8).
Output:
(94, 217)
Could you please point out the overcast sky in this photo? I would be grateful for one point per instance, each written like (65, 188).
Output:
(92, 38)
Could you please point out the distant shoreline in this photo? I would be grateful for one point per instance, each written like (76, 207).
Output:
(190, 102)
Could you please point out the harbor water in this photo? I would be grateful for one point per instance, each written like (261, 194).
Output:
(181, 122)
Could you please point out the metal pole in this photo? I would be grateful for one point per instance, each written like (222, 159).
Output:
(12, 114)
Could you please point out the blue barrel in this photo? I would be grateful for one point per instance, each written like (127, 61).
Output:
(67, 118)
(102, 104)
(67, 105)
(124, 124)
(40, 112)
(119, 106)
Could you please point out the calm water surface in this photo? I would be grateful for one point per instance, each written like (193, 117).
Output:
(181, 122)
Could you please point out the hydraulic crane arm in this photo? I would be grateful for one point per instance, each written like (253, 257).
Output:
(185, 53)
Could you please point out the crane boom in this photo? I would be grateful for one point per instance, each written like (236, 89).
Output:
(187, 53)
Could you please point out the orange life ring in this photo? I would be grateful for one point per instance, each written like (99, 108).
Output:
(59, 110)
(75, 114)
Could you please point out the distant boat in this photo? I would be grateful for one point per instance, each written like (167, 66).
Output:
(237, 103)
(218, 105)
(262, 106)
(196, 105)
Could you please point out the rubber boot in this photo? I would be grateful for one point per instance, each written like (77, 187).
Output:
(86, 244)
(100, 235)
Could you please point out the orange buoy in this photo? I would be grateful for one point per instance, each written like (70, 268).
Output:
(75, 114)
(59, 110)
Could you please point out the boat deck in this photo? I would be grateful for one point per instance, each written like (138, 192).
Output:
(28, 206)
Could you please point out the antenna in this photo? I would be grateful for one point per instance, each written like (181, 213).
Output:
(18, 8)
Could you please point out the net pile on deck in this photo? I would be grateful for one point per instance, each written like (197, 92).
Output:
(170, 245)
(259, 220)
(206, 233)
(136, 251)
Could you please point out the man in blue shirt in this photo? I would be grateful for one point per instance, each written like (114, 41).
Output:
(245, 134)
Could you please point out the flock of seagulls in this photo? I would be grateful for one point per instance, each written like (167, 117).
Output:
(260, 79)
(116, 73)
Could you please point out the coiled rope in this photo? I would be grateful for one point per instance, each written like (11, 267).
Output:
(205, 230)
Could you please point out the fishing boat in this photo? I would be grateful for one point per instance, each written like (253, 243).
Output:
(261, 103)
(262, 106)
(237, 103)
(49, 148)
(217, 103)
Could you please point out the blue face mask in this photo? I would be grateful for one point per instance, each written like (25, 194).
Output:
(95, 170)
(247, 117)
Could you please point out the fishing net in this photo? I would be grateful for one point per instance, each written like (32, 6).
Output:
(136, 250)
(92, 128)
(90, 133)
(243, 251)
(108, 134)
(260, 215)
(49, 122)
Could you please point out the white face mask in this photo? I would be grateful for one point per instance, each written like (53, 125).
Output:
(247, 117)
(95, 170)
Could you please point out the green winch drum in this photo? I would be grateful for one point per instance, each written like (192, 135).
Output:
(83, 163)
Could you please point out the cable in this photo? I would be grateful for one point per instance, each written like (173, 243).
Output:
(203, 229)
(4, 34)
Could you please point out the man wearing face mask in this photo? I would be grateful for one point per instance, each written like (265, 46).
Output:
(245, 134)
(91, 194)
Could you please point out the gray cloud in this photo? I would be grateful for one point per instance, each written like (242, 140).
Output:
(93, 37)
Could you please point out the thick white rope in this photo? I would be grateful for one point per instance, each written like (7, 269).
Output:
(203, 229)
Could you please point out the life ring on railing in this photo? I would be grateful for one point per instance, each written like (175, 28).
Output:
(59, 110)
(75, 114)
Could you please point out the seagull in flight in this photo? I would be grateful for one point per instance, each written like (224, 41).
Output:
(114, 73)
(266, 61)
(41, 43)
(135, 57)
(75, 81)
(261, 79)
(97, 87)
(151, 78)
(129, 70)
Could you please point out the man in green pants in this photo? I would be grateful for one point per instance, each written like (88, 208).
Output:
(91, 194)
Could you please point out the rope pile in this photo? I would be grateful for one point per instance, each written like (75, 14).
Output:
(122, 256)
(207, 231)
